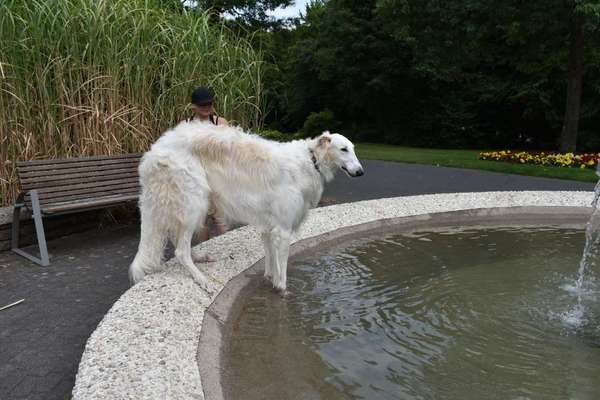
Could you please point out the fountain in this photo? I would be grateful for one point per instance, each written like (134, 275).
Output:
(584, 287)
(449, 312)
(449, 300)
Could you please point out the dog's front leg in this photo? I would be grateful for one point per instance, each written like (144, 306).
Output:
(269, 262)
(280, 240)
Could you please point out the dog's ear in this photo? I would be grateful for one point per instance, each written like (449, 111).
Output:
(324, 140)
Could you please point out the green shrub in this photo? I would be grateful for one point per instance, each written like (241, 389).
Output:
(316, 123)
(273, 134)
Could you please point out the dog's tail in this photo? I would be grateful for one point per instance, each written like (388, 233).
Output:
(149, 255)
(136, 269)
(154, 175)
(173, 202)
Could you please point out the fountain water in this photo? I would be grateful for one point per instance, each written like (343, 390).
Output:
(584, 287)
(452, 313)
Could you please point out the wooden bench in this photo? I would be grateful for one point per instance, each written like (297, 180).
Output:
(53, 187)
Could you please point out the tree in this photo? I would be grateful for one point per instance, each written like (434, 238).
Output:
(511, 53)
(251, 13)
(580, 10)
(453, 73)
(342, 61)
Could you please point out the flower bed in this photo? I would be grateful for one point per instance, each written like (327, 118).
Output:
(541, 158)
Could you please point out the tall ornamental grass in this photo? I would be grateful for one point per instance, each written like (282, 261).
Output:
(93, 77)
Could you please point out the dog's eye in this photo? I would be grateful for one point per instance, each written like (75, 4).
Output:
(345, 149)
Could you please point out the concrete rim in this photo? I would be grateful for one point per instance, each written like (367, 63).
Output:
(227, 306)
(147, 345)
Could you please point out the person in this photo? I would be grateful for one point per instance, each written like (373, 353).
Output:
(202, 104)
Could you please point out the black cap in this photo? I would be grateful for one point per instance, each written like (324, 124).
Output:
(203, 96)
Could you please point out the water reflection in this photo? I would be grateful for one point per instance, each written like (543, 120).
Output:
(452, 314)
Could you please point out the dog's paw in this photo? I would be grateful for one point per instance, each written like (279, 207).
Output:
(279, 287)
(202, 257)
(268, 277)
(281, 292)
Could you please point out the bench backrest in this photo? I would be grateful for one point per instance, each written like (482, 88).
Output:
(77, 180)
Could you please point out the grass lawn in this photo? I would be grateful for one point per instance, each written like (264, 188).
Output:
(467, 159)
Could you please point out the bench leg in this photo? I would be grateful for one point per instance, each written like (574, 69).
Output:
(16, 222)
(44, 259)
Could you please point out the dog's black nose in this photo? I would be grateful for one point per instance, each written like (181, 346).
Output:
(360, 172)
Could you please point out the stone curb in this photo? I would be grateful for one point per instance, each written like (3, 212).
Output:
(145, 346)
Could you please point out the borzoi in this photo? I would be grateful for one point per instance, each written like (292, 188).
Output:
(266, 184)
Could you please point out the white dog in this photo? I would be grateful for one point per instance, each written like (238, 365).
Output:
(266, 184)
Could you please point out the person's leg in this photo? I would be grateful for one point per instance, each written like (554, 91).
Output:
(220, 221)
(204, 234)
(213, 219)
(220, 225)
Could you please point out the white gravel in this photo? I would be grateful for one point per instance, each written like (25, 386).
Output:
(145, 347)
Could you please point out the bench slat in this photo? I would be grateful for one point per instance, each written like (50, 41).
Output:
(77, 160)
(123, 177)
(73, 197)
(50, 170)
(54, 197)
(84, 187)
(69, 177)
(87, 204)
(105, 164)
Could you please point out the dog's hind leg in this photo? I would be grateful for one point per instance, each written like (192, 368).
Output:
(150, 249)
(269, 262)
(183, 253)
(280, 240)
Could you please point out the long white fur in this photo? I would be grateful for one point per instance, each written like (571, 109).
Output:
(254, 181)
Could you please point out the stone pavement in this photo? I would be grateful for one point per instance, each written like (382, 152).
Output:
(42, 339)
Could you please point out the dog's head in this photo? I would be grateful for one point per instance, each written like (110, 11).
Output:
(335, 149)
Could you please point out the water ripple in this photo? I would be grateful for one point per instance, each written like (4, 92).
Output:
(461, 313)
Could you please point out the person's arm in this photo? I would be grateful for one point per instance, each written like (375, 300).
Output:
(222, 121)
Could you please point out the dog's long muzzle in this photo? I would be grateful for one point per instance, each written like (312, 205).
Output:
(359, 172)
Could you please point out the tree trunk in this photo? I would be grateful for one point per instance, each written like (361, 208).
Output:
(568, 137)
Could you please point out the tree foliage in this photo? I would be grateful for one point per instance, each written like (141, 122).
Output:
(460, 73)
(251, 13)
